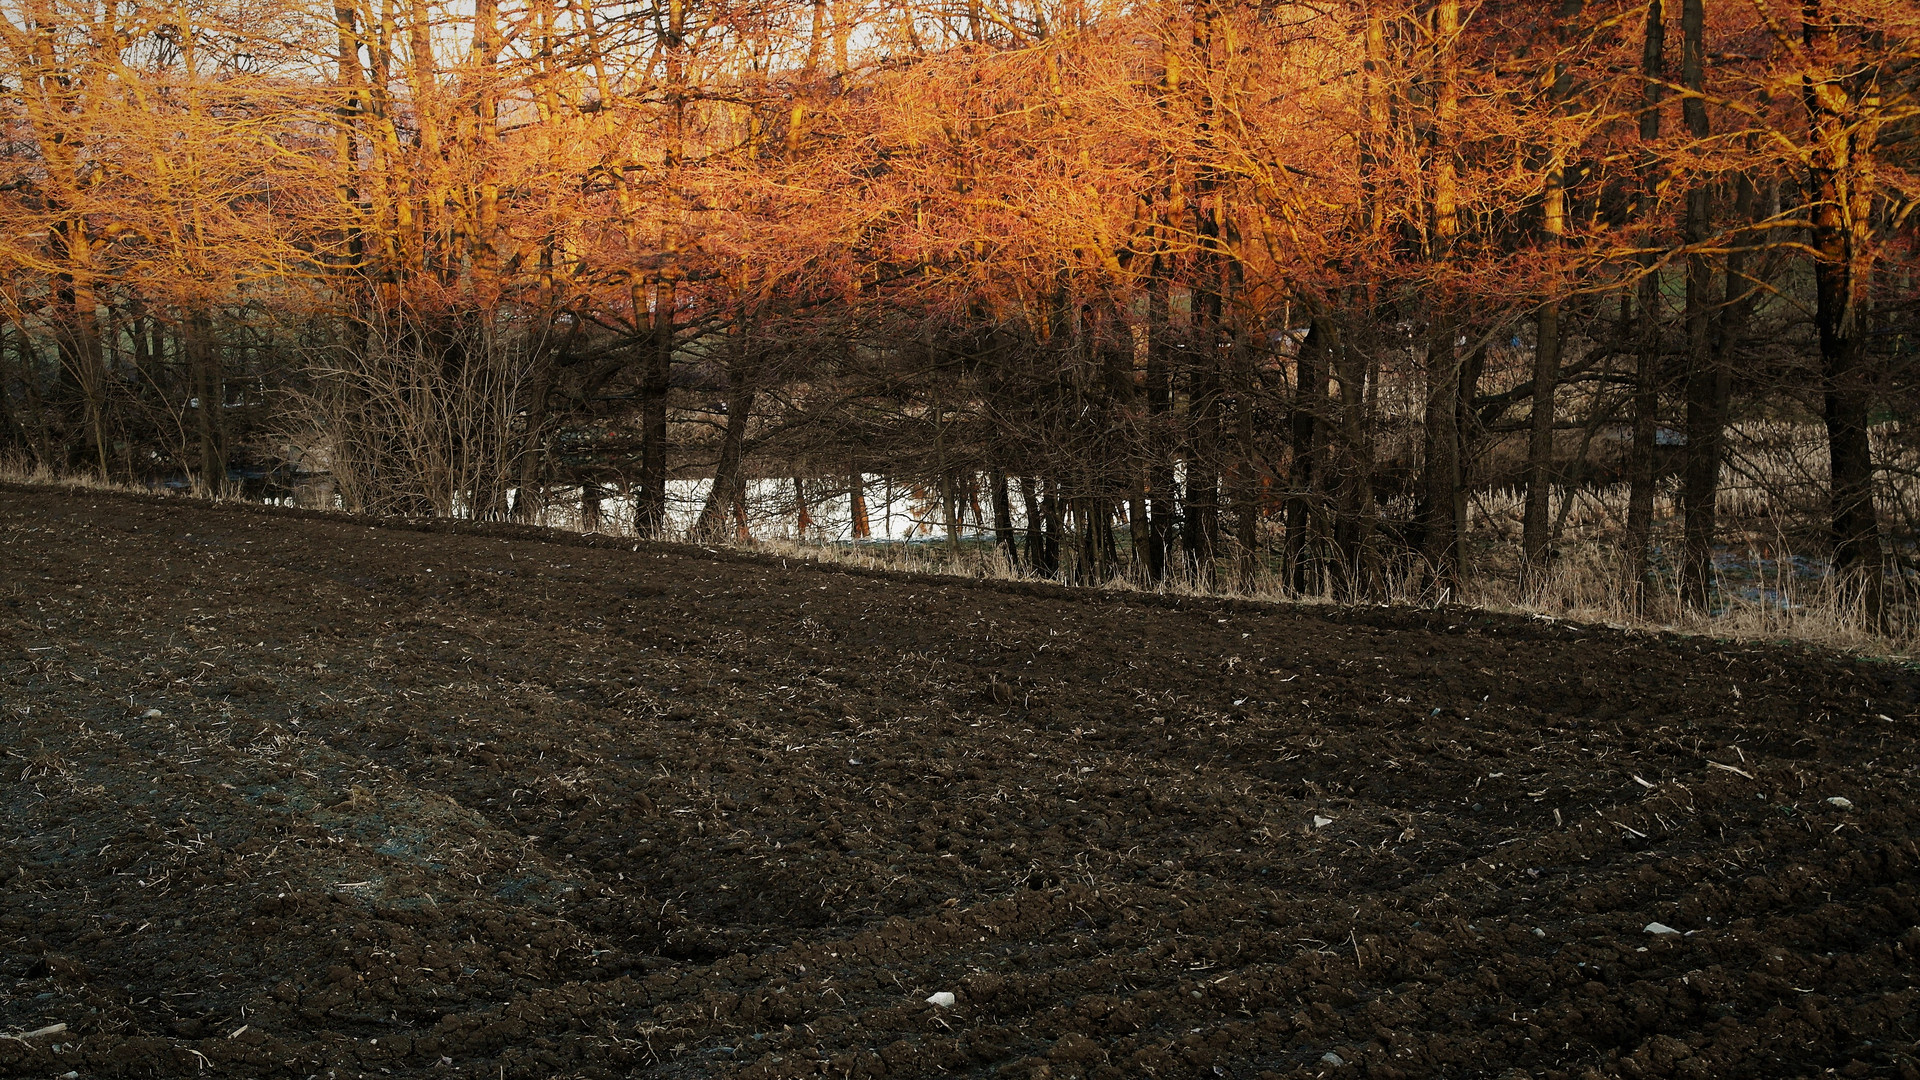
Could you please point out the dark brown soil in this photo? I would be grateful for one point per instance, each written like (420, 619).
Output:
(293, 796)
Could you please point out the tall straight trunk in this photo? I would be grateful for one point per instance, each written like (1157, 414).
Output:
(802, 513)
(484, 136)
(862, 527)
(950, 511)
(1707, 407)
(1201, 535)
(1641, 474)
(1841, 189)
(81, 344)
(1534, 524)
(1353, 529)
(1705, 411)
(1036, 541)
(1309, 395)
(1441, 535)
(650, 507)
(1003, 520)
(843, 27)
(430, 196)
(650, 517)
(1210, 281)
(1162, 498)
(1053, 510)
(349, 142)
(1547, 344)
(1440, 538)
(1467, 430)
(1094, 516)
(1139, 527)
(1128, 445)
(949, 494)
(210, 387)
(1354, 515)
(47, 95)
(1246, 470)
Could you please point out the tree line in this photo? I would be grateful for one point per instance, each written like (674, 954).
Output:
(1188, 288)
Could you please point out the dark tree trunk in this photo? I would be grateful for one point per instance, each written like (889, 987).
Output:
(862, 526)
(1051, 514)
(1162, 498)
(529, 490)
(27, 355)
(210, 387)
(1440, 486)
(1309, 396)
(1041, 546)
(1706, 382)
(1003, 520)
(1546, 377)
(650, 505)
(1202, 519)
(13, 427)
(1641, 474)
(802, 512)
(729, 492)
(1547, 344)
(1354, 528)
(1842, 205)
(1466, 430)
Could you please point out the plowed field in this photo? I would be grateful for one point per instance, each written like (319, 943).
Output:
(291, 795)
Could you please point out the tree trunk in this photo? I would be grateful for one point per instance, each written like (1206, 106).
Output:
(13, 430)
(950, 511)
(209, 386)
(802, 515)
(1441, 538)
(1842, 203)
(1162, 498)
(1036, 527)
(28, 355)
(1642, 474)
(862, 527)
(1003, 520)
(1353, 531)
(1646, 380)
(77, 333)
(1466, 429)
(1441, 484)
(1546, 342)
(729, 478)
(650, 516)
(1309, 395)
(1053, 511)
(1546, 377)
(1704, 384)
(650, 505)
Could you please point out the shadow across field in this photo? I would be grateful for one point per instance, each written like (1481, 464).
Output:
(291, 795)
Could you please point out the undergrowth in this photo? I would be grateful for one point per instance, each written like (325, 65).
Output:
(1584, 583)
